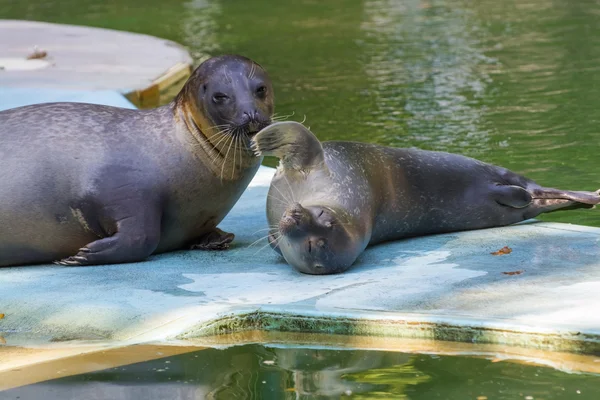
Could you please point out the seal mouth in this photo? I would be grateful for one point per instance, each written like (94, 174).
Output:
(253, 127)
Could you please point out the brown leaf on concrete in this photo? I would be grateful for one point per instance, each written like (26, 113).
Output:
(519, 272)
(37, 54)
(504, 250)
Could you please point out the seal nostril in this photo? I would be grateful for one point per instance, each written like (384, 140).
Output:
(321, 213)
(309, 246)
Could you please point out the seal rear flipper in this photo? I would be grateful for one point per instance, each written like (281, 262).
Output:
(589, 198)
(511, 196)
(548, 199)
(213, 240)
(296, 147)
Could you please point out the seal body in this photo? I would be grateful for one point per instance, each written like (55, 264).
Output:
(90, 184)
(330, 200)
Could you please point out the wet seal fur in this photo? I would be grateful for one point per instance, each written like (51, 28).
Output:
(89, 184)
(329, 201)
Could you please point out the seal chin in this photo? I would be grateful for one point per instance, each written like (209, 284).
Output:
(318, 268)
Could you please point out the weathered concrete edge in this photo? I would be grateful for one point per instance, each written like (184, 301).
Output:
(150, 96)
(397, 325)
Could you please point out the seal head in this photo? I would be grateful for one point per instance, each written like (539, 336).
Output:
(316, 239)
(230, 91)
(226, 101)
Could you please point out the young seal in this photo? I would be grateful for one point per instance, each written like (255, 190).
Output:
(329, 201)
(90, 184)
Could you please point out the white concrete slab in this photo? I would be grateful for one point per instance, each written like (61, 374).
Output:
(83, 58)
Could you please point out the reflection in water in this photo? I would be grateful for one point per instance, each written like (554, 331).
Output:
(259, 372)
(428, 73)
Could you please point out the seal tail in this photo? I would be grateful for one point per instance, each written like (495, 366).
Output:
(543, 200)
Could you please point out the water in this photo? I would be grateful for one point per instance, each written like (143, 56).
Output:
(262, 372)
(512, 82)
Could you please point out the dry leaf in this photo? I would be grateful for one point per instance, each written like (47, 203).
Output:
(519, 272)
(504, 250)
(37, 54)
(1, 316)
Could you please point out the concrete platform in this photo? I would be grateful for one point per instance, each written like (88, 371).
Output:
(86, 58)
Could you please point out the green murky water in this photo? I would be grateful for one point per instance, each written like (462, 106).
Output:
(512, 82)
(259, 372)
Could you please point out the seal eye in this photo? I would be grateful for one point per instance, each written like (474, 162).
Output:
(220, 98)
(261, 91)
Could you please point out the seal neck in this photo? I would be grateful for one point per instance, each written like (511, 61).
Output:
(227, 155)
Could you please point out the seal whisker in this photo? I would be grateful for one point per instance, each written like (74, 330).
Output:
(241, 151)
(277, 241)
(262, 238)
(286, 204)
(252, 69)
(216, 149)
(282, 117)
(282, 195)
(262, 248)
(264, 229)
(290, 186)
(235, 140)
(218, 126)
(225, 158)
(223, 132)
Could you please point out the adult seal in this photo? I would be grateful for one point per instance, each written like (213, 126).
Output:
(89, 184)
(329, 201)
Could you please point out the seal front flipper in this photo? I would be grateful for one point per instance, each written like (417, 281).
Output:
(213, 240)
(137, 236)
(296, 147)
